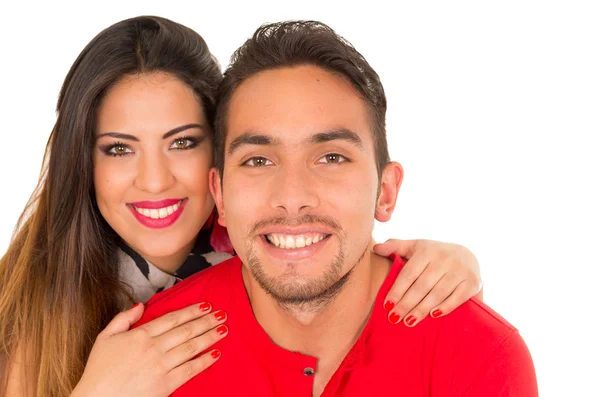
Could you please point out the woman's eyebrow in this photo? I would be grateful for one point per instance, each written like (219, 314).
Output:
(118, 135)
(181, 128)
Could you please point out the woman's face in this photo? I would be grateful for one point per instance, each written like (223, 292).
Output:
(151, 161)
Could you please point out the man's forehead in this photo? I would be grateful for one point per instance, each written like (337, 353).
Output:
(296, 102)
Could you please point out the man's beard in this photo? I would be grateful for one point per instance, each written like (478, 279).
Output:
(305, 294)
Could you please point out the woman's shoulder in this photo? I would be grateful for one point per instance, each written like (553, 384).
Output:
(212, 284)
(215, 276)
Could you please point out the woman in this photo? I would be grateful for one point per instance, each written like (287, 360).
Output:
(123, 210)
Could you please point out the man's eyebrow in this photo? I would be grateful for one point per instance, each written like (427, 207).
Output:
(341, 133)
(130, 137)
(250, 138)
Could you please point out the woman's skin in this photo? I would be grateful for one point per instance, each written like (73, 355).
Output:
(147, 162)
(134, 162)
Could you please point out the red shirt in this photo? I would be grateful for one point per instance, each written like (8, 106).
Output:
(470, 352)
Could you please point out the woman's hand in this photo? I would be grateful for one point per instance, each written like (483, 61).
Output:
(437, 278)
(154, 359)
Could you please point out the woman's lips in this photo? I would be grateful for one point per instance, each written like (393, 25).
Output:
(157, 203)
(158, 214)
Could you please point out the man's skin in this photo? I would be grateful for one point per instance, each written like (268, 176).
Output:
(300, 161)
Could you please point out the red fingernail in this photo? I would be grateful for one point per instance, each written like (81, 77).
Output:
(389, 305)
(204, 307)
(410, 320)
(436, 313)
(221, 330)
(394, 318)
(215, 354)
(220, 315)
(136, 305)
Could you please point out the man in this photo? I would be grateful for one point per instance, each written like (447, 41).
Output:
(302, 169)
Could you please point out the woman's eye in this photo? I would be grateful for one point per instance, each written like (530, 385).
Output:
(257, 162)
(183, 143)
(332, 158)
(119, 149)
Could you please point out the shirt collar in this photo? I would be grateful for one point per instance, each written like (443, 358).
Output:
(259, 339)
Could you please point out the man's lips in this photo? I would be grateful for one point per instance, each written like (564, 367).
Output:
(288, 249)
(296, 230)
(293, 241)
(294, 237)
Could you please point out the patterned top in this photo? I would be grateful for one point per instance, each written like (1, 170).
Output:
(145, 279)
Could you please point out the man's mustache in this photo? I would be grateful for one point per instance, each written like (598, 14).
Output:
(297, 221)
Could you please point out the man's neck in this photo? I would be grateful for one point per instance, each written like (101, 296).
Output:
(327, 332)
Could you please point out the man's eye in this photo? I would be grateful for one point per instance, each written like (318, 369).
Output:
(332, 158)
(184, 143)
(257, 162)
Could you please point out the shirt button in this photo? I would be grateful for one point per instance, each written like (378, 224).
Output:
(308, 371)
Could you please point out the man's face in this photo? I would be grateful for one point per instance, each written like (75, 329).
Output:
(300, 180)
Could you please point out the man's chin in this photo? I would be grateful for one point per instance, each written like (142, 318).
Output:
(299, 275)
(294, 288)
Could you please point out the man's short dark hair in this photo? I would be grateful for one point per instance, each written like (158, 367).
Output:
(294, 43)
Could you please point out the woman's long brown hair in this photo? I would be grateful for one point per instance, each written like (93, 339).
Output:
(59, 279)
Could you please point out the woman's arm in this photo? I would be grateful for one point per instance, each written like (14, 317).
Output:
(437, 278)
(154, 359)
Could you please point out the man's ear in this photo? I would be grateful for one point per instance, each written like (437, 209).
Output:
(214, 183)
(391, 179)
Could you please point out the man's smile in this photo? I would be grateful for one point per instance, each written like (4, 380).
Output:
(291, 241)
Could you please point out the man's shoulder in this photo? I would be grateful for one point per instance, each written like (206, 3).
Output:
(475, 319)
(478, 311)
(473, 330)
(489, 350)
(482, 344)
(200, 287)
(473, 348)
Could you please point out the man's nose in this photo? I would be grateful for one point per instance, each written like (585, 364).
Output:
(294, 190)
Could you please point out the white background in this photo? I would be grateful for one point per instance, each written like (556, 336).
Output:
(494, 111)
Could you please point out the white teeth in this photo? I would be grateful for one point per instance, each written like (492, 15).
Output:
(157, 213)
(294, 241)
(289, 242)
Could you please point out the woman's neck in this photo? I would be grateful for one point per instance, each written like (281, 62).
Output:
(169, 264)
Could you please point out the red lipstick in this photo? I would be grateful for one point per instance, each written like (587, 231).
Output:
(158, 223)
(156, 204)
